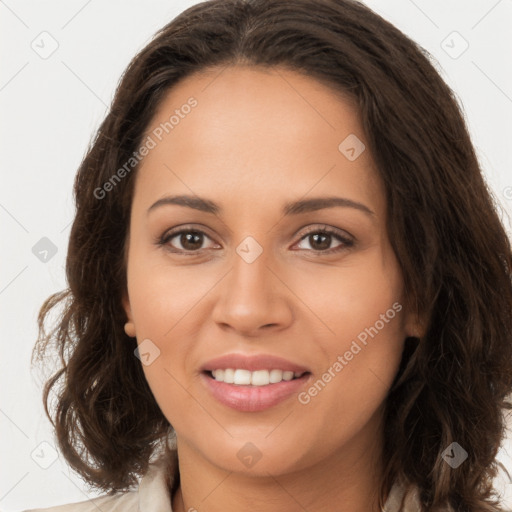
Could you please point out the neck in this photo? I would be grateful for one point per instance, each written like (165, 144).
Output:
(346, 481)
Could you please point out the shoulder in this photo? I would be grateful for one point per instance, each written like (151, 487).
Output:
(153, 493)
(405, 497)
(127, 501)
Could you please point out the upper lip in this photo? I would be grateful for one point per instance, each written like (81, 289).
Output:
(252, 363)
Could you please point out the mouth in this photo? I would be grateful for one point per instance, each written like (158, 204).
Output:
(253, 382)
(254, 391)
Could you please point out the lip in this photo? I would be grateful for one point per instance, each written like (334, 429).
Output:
(252, 363)
(247, 398)
(253, 398)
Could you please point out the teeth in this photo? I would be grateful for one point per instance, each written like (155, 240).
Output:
(242, 377)
(257, 378)
(275, 376)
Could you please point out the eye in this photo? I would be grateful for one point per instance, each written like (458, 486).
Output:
(320, 240)
(190, 240)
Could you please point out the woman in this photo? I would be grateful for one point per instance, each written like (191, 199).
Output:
(289, 287)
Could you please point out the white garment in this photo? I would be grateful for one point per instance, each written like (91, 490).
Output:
(152, 495)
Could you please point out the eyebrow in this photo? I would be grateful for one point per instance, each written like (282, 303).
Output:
(290, 208)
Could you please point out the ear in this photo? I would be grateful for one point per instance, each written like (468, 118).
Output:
(415, 325)
(129, 326)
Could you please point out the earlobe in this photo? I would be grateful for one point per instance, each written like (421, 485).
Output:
(415, 325)
(415, 328)
(129, 326)
(129, 329)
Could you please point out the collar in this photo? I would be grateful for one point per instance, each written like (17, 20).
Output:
(160, 481)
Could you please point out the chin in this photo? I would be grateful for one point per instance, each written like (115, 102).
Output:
(259, 456)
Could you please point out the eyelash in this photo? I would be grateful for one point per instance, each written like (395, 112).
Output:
(346, 242)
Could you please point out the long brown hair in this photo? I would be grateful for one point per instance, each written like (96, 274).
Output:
(452, 385)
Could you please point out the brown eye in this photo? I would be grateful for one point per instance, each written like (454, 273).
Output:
(191, 240)
(187, 240)
(320, 240)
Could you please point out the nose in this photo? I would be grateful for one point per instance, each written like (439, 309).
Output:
(253, 298)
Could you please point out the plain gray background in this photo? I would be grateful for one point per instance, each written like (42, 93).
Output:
(52, 104)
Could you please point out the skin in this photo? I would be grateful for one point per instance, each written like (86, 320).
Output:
(257, 139)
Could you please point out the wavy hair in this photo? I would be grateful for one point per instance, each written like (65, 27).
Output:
(453, 385)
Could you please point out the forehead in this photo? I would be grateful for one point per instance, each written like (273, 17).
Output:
(260, 132)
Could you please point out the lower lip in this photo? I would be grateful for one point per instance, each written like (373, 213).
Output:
(253, 398)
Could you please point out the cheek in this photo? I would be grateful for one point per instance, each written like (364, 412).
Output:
(167, 303)
(160, 312)
(162, 294)
(352, 388)
(160, 299)
(362, 312)
(352, 297)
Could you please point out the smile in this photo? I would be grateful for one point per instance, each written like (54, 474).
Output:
(241, 377)
(248, 397)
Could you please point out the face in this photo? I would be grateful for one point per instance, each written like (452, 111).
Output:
(234, 290)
